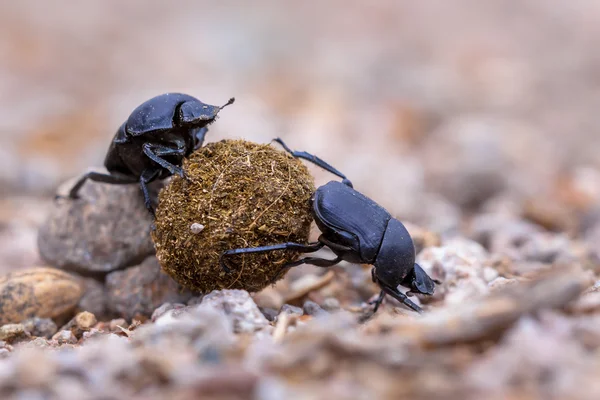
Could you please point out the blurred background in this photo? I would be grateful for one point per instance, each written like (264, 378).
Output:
(436, 109)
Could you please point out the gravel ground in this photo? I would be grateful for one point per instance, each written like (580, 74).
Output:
(473, 123)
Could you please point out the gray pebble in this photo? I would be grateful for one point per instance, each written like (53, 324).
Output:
(331, 304)
(312, 308)
(289, 309)
(40, 327)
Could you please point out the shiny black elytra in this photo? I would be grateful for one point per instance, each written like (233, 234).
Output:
(153, 142)
(357, 230)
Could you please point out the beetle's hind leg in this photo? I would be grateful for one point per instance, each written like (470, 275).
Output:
(315, 160)
(98, 177)
(318, 262)
(305, 248)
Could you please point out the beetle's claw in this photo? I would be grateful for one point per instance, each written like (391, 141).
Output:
(223, 266)
(180, 172)
(58, 197)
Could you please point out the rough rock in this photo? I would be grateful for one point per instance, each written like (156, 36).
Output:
(94, 298)
(112, 225)
(461, 266)
(65, 337)
(12, 332)
(138, 290)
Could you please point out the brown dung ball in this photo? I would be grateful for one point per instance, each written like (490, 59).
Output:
(236, 194)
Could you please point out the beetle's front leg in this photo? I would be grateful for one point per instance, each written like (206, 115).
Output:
(199, 137)
(97, 177)
(148, 176)
(378, 301)
(401, 297)
(156, 151)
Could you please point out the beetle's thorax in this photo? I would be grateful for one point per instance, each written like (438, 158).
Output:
(396, 256)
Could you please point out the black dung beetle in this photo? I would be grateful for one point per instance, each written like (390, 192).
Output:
(357, 230)
(154, 140)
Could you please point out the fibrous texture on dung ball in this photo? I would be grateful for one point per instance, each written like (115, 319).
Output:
(242, 194)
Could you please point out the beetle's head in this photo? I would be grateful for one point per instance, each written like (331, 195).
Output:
(419, 282)
(198, 114)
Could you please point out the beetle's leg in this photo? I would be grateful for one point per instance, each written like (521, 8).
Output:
(315, 160)
(401, 297)
(148, 176)
(99, 177)
(305, 248)
(200, 135)
(377, 302)
(319, 262)
(155, 151)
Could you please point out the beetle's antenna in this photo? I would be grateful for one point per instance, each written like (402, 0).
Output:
(229, 102)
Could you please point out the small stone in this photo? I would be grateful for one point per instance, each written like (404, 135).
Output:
(106, 229)
(94, 298)
(40, 327)
(92, 333)
(501, 282)
(292, 310)
(268, 298)
(13, 332)
(269, 313)
(312, 308)
(116, 323)
(196, 228)
(82, 322)
(160, 311)
(331, 304)
(65, 337)
(138, 291)
(239, 308)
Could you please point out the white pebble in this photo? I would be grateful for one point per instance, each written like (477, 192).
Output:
(196, 228)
